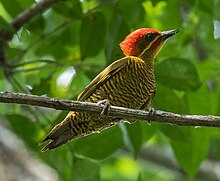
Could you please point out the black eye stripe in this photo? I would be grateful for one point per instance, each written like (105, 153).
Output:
(145, 41)
(150, 36)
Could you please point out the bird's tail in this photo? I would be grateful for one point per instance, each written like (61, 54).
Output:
(59, 135)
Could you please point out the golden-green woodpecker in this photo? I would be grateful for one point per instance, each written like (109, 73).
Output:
(128, 82)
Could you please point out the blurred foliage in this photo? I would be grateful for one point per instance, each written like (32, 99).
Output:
(84, 34)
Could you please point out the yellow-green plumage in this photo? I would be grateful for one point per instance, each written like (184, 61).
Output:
(128, 82)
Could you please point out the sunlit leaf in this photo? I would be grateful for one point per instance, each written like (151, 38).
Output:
(216, 29)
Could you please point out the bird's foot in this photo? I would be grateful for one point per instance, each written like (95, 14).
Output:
(151, 115)
(130, 121)
(106, 107)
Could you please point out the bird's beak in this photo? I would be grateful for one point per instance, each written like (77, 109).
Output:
(167, 34)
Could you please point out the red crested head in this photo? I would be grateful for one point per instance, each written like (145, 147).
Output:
(129, 45)
(140, 40)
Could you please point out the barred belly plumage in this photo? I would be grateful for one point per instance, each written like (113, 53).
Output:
(130, 88)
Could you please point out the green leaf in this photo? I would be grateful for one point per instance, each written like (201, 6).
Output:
(179, 74)
(69, 37)
(173, 8)
(133, 136)
(1, 75)
(25, 128)
(16, 6)
(166, 99)
(47, 47)
(12, 7)
(70, 9)
(131, 11)
(101, 145)
(136, 134)
(62, 160)
(60, 117)
(139, 177)
(5, 25)
(92, 34)
(207, 6)
(175, 133)
(12, 52)
(92, 66)
(203, 95)
(24, 38)
(78, 83)
(85, 170)
(148, 131)
(117, 32)
(208, 92)
(90, 6)
(191, 154)
(43, 87)
(37, 26)
(154, 2)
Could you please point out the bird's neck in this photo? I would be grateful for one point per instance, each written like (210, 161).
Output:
(149, 57)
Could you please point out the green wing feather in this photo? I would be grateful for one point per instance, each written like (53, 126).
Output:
(107, 73)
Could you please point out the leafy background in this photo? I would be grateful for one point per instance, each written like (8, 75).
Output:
(63, 49)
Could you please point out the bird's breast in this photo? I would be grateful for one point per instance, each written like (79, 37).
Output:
(131, 87)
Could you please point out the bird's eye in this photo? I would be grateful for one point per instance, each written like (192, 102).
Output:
(150, 36)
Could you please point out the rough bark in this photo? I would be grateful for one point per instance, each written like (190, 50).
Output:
(119, 112)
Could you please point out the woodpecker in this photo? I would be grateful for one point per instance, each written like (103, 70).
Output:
(128, 82)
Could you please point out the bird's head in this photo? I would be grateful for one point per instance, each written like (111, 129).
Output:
(145, 41)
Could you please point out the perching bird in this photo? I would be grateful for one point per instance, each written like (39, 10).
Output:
(128, 82)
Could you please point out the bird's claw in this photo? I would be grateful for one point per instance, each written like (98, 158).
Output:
(106, 108)
(151, 115)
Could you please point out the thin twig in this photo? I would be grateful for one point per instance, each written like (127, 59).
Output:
(6, 35)
(35, 61)
(41, 38)
(18, 86)
(119, 112)
(19, 21)
(32, 12)
(31, 69)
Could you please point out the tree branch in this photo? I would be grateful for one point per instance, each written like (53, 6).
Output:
(119, 112)
(31, 12)
(19, 21)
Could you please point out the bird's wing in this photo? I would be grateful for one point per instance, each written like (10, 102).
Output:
(107, 73)
(146, 105)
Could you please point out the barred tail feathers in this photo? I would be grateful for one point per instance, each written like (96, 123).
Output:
(60, 134)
